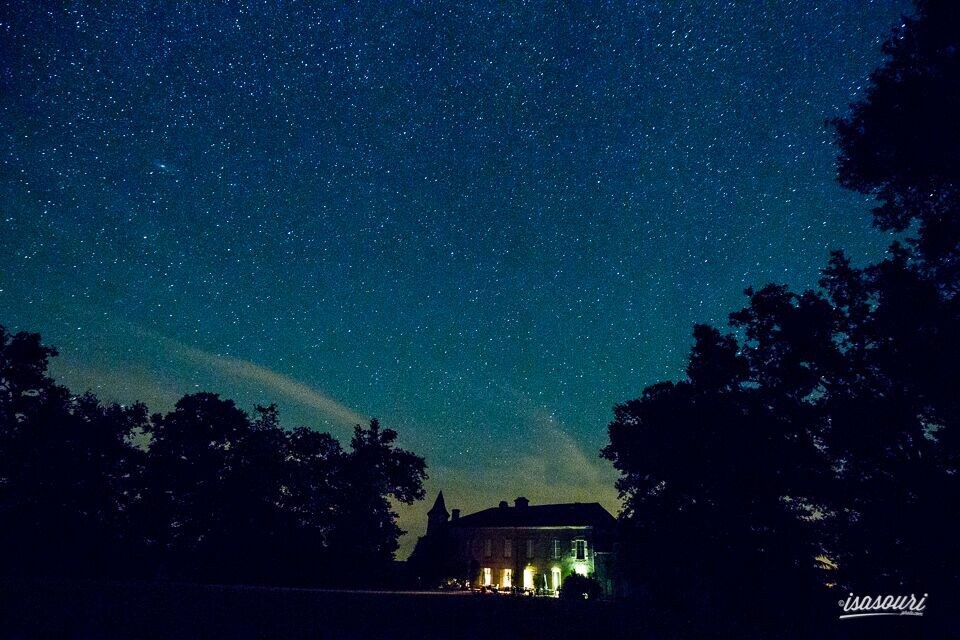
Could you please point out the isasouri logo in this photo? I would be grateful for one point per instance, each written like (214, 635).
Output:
(882, 605)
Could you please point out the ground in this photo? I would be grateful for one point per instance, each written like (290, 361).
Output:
(147, 611)
(143, 611)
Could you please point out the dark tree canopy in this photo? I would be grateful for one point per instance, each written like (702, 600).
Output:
(214, 494)
(816, 447)
(67, 470)
(901, 142)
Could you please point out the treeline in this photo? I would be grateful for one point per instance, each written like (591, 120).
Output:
(204, 492)
(814, 449)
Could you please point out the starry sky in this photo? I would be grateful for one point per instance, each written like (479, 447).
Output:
(483, 222)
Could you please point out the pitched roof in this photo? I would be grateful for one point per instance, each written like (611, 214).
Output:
(438, 505)
(574, 514)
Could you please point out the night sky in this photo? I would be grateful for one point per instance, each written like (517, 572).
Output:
(484, 223)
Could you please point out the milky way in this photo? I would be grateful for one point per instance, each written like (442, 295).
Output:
(485, 223)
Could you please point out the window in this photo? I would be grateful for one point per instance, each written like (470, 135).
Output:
(508, 548)
(556, 548)
(507, 579)
(581, 549)
(555, 578)
(529, 548)
(487, 576)
(488, 547)
(528, 578)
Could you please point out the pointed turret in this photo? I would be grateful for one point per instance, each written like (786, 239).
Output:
(437, 516)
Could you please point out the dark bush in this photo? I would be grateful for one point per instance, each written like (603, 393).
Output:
(577, 587)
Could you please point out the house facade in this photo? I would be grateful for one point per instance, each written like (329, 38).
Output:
(519, 546)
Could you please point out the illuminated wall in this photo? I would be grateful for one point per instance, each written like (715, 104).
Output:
(543, 556)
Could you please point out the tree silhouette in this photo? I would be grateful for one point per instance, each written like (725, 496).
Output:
(375, 472)
(895, 437)
(204, 492)
(67, 469)
(719, 473)
(196, 463)
(901, 142)
(816, 445)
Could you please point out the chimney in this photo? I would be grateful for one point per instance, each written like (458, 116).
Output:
(521, 502)
(455, 514)
(504, 504)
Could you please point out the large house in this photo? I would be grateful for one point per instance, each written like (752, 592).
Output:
(533, 547)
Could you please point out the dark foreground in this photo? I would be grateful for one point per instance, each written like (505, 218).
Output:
(120, 611)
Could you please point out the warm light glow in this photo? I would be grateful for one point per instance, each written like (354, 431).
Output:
(487, 577)
(507, 578)
(580, 568)
(528, 578)
(555, 576)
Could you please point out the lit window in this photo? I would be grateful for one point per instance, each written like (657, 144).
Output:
(556, 548)
(487, 576)
(488, 547)
(555, 578)
(581, 549)
(508, 548)
(528, 578)
(507, 578)
(580, 568)
(529, 548)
